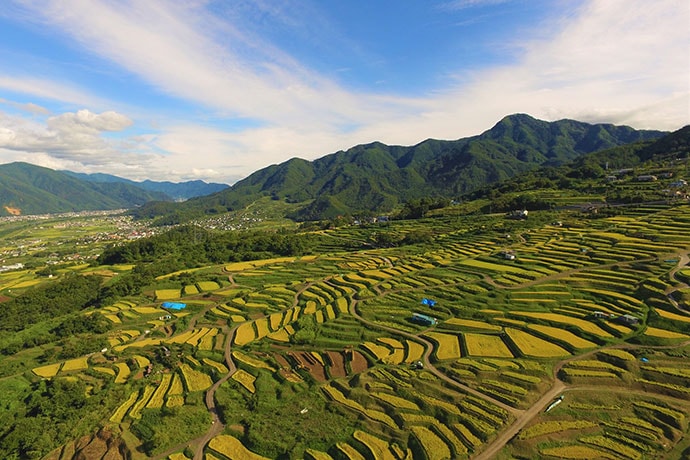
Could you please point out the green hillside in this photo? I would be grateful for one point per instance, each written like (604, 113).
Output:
(375, 177)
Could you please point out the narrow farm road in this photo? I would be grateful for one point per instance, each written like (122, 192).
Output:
(560, 387)
(523, 419)
(216, 424)
(683, 262)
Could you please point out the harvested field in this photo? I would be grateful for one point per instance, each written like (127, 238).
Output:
(337, 364)
(358, 362)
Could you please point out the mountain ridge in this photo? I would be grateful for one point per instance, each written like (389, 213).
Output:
(178, 191)
(375, 177)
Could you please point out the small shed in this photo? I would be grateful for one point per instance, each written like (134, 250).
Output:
(423, 319)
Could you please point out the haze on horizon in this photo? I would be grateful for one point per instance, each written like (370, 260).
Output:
(215, 90)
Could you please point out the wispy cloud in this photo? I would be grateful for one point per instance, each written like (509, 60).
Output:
(606, 60)
(28, 107)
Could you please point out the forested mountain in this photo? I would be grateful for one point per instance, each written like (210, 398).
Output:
(376, 177)
(175, 190)
(30, 189)
(611, 174)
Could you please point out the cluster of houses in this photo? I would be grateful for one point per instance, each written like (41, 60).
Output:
(6, 268)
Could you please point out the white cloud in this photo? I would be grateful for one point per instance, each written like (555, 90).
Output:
(622, 61)
(49, 89)
(66, 134)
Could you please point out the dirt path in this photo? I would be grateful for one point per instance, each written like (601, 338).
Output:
(216, 424)
(558, 388)
(683, 261)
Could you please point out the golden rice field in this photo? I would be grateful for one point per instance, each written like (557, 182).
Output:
(341, 304)
(378, 448)
(76, 364)
(121, 411)
(244, 334)
(530, 345)
(167, 294)
(122, 372)
(414, 351)
(397, 357)
(174, 401)
(183, 337)
(245, 379)
(250, 361)
(190, 289)
(135, 412)
(620, 328)
(664, 334)
(574, 452)
(349, 452)
(396, 401)
(25, 284)
(216, 365)
(448, 346)
(585, 325)
(378, 351)
(149, 310)
(472, 324)
(280, 335)
(104, 370)
(555, 426)
(206, 342)
(142, 361)
(48, 371)
(673, 316)
(156, 401)
(474, 263)
(232, 448)
(486, 345)
(176, 387)
(434, 447)
(565, 336)
(195, 380)
(208, 285)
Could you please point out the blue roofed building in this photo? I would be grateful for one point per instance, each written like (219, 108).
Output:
(424, 319)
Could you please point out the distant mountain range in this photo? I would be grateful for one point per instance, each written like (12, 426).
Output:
(370, 178)
(377, 177)
(30, 189)
(177, 191)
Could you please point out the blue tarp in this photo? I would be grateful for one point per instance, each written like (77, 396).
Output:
(174, 305)
(428, 302)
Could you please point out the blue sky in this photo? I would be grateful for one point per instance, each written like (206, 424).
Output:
(214, 90)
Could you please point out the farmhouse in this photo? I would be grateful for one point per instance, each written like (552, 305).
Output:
(646, 178)
(600, 315)
(629, 320)
(423, 319)
(518, 214)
